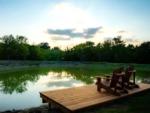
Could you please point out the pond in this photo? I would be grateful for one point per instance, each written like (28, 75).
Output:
(20, 88)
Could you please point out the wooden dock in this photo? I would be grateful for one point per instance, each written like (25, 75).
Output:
(73, 99)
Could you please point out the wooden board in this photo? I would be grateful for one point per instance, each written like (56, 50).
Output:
(73, 99)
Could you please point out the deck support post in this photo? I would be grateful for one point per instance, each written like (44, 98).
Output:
(49, 106)
(98, 84)
(134, 76)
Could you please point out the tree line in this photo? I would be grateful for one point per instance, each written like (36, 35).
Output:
(111, 50)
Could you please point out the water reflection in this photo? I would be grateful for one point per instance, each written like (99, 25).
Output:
(19, 87)
(63, 80)
(17, 81)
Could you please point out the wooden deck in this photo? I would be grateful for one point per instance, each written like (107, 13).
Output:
(73, 99)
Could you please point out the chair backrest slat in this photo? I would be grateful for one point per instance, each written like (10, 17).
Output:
(128, 73)
(115, 77)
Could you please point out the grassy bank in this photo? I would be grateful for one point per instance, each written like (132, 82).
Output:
(14, 65)
(91, 67)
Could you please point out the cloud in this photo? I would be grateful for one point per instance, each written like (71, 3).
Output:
(73, 33)
(68, 15)
(62, 32)
(62, 38)
(122, 32)
(91, 31)
(133, 41)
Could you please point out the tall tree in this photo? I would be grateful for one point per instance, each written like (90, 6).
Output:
(44, 45)
(143, 53)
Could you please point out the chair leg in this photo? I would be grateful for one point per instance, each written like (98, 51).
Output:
(122, 89)
(49, 106)
(125, 91)
(99, 84)
(116, 93)
(99, 87)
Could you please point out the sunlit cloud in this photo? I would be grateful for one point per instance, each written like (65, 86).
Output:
(129, 37)
(66, 15)
(132, 41)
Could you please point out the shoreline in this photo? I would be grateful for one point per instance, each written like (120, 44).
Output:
(9, 65)
(17, 64)
(40, 109)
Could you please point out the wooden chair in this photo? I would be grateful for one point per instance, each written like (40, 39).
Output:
(129, 72)
(111, 84)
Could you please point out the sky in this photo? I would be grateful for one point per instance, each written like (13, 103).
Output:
(65, 23)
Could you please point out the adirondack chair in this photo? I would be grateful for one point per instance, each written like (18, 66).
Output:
(111, 84)
(129, 72)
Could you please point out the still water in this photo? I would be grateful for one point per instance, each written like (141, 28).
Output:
(20, 88)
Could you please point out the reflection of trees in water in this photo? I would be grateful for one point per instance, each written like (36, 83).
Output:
(142, 75)
(17, 81)
(64, 83)
(75, 73)
(84, 74)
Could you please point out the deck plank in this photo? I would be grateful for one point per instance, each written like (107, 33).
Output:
(77, 98)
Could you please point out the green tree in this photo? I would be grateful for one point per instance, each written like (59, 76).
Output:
(44, 45)
(35, 53)
(1, 50)
(21, 40)
(56, 54)
(130, 54)
(118, 49)
(143, 53)
(112, 50)
(10, 46)
(106, 51)
(14, 48)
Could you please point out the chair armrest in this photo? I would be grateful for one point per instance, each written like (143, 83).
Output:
(100, 79)
(105, 76)
(133, 71)
(120, 74)
(108, 75)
